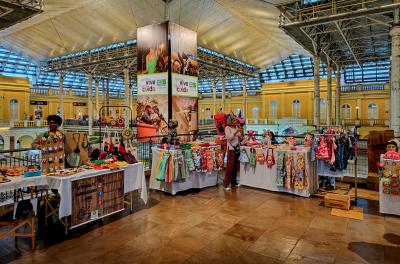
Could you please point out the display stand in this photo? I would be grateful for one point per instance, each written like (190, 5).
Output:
(266, 178)
(195, 180)
(134, 179)
(388, 203)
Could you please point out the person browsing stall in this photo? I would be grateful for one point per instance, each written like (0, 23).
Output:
(234, 136)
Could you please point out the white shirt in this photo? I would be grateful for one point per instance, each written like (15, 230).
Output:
(232, 139)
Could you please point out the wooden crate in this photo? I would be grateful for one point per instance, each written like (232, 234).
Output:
(340, 201)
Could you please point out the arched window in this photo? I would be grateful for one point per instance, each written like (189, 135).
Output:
(346, 111)
(296, 108)
(322, 105)
(208, 113)
(238, 111)
(373, 111)
(273, 109)
(255, 112)
(14, 109)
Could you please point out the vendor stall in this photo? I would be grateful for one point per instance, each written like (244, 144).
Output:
(280, 169)
(133, 179)
(183, 169)
(389, 187)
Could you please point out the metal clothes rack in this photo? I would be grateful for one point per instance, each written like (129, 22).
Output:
(355, 158)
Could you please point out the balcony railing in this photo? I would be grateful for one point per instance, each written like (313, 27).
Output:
(362, 87)
(24, 123)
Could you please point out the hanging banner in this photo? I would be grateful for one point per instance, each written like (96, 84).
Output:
(184, 82)
(152, 80)
(183, 50)
(153, 84)
(184, 85)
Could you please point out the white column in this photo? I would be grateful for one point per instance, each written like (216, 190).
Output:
(126, 83)
(395, 77)
(90, 103)
(223, 98)
(245, 99)
(214, 97)
(337, 95)
(317, 106)
(61, 85)
(97, 98)
(329, 95)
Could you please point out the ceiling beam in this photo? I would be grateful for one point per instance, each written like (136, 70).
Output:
(347, 43)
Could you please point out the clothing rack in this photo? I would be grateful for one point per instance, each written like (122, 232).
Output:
(355, 158)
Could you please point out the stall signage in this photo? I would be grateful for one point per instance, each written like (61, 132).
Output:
(153, 84)
(78, 104)
(184, 85)
(97, 196)
(38, 102)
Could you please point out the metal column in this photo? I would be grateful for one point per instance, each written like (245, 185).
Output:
(395, 77)
(223, 93)
(61, 85)
(96, 113)
(337, 95)
(329, 95)
(107, 96)
(127, 100)
(245, 99)
(90, 103)
(214, 97)
(317, 105)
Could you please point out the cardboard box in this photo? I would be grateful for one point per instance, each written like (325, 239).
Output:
(340, 201)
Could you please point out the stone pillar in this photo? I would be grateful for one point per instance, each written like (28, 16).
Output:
(61, 85)
(126, 84)
(329, 95)
(317, 105)
(395, 77)
(223, 98)
(97, 99)
(90, 103)
(337, 95)
(214, 97)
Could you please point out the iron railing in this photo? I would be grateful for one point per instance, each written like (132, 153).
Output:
(20, 157)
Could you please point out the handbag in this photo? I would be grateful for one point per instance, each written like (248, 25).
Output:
(244, 158)
(260, 158)
(270, 159)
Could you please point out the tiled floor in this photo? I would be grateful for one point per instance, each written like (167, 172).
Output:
(242, 226)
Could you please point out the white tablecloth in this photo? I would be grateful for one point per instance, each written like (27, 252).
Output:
(134, 179)
(194, 179)
(265, 178)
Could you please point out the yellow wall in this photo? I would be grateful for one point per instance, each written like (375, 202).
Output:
(13, 88)
(19, 89)
(285, 92)
(282, 92)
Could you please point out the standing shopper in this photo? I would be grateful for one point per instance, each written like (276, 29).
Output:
(233, 136)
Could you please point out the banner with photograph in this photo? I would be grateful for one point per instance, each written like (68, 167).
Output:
(184, 82)
(152, 84)
(152, 80)
(185, 110)
(152, 49)
(184, 85)
(183, 50)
